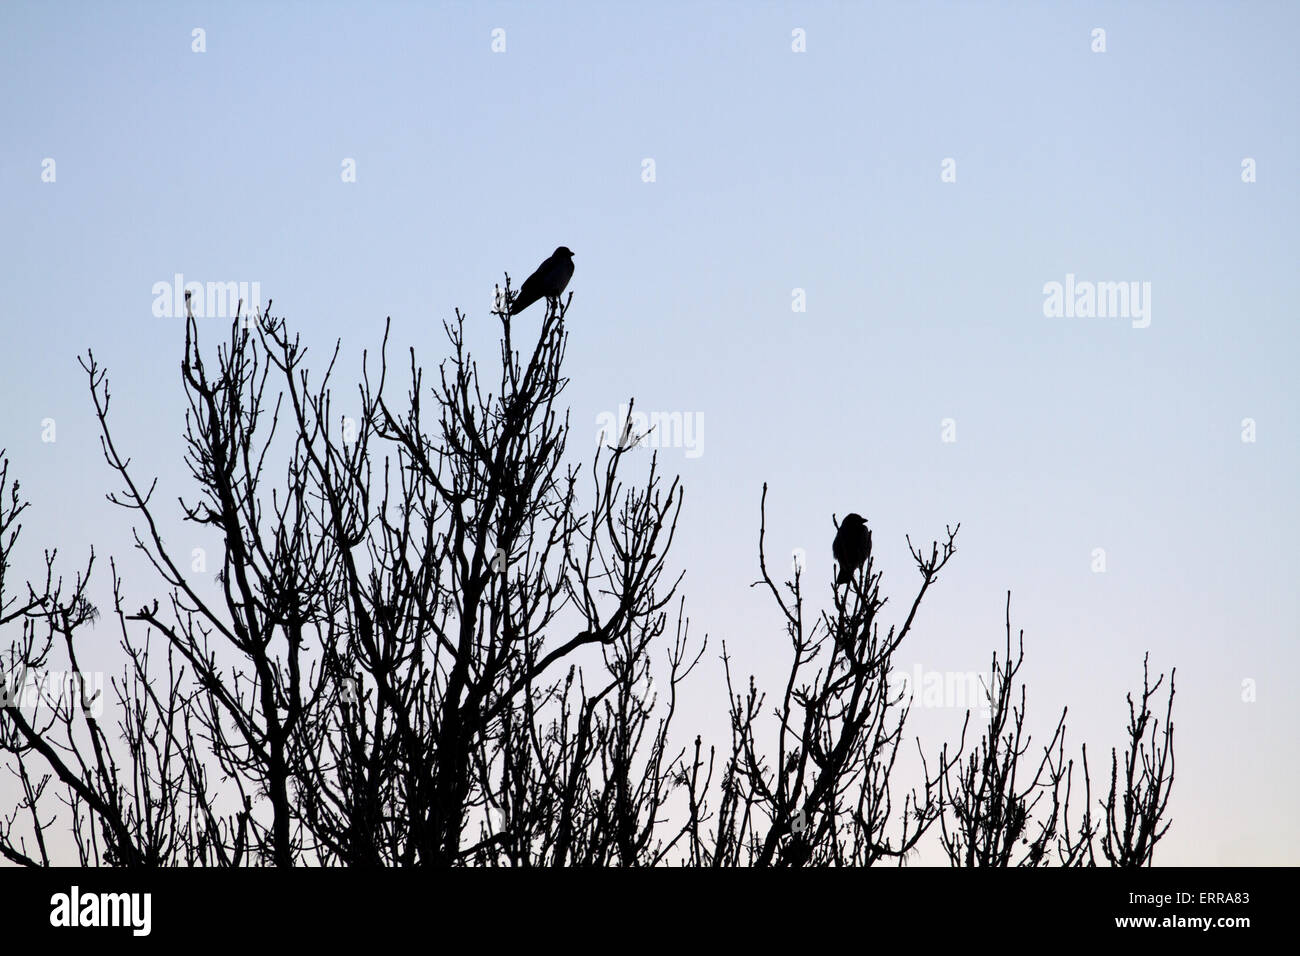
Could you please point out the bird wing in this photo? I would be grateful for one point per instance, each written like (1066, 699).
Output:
(529, 293)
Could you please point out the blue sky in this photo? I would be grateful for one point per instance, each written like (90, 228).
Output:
(774, 171)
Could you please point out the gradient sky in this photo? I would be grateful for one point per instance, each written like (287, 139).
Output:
(775, 170)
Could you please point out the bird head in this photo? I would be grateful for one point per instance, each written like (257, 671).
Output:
(564, 251)
(854, 520)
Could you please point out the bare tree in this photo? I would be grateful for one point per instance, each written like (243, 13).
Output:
(823, 792)
(492, 513)
(128, 805)
(999, 809)
(416, 620)
(1135, 808)
(436, 637)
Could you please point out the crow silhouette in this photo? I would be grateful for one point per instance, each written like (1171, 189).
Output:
(549, 280)
(851, 545)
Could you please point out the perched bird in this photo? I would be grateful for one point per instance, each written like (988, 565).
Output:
(852, 542)
(549, 280)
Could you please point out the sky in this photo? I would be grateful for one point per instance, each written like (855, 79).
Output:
(832, 261)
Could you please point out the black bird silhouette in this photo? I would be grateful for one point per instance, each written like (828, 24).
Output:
(549, 280)
(852, 542)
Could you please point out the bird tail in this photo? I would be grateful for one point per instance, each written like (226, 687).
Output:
(845, 575)
(522, 302)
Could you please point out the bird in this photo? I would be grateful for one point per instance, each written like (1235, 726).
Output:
(549, 280)
(851, 546)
